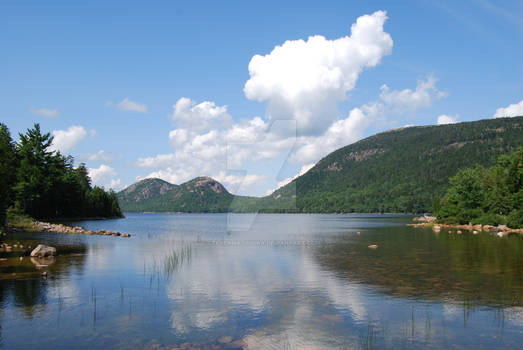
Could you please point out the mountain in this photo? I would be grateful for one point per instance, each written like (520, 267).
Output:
(145, 189)
(201, 194)
(399, 170)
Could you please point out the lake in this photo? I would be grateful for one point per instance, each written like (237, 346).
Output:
(271, 281)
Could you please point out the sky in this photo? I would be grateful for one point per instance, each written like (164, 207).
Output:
(249, 93)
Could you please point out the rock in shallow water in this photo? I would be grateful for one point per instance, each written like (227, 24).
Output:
(42, 251)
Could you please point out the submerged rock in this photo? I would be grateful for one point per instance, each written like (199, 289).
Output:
(42, 251)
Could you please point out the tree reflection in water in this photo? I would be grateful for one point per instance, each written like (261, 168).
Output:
(22, 283)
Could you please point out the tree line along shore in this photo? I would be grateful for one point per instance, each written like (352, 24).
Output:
(38, 182)
(485, 196)
(481, 199)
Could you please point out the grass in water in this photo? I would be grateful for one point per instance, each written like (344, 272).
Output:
(368, 341)
(171, 262)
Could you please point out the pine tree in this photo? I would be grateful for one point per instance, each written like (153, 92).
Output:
(8, 164)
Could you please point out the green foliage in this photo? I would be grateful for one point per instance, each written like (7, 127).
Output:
(515, 218)
(465, 196)
(44, 184)
(8, 165)
(20, 220)
(488, 219)
(487, 196)
(436, 205)
(36, 173)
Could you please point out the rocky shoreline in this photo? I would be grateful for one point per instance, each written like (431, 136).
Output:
(39, 226)
(430, 221)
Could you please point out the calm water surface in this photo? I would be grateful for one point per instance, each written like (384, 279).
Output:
(265, 282)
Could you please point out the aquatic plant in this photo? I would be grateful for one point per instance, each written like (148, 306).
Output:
(368, 341)
(170, 262)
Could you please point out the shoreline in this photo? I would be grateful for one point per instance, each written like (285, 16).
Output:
(86, 218)
(500, 230)
(26, 224)
(267, 212)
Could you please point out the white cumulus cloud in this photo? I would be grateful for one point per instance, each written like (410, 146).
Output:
(513, 110)
(235, 183)
(46, 112)
(128, 105)
(207, 142)
(202, 116)
(341, 133)
(447, 119)
(408, 100)
(115, 184)
(288, 180)
(305, 80)
(302, 83)
(64, 140)
(100, 175)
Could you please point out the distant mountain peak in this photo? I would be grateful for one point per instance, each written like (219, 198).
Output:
(207, 182)
(148, 188)
(201, 194)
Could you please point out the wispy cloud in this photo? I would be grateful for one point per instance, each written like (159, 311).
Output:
(45, 112)
(100, 156)
(128, 105)
(510, 16)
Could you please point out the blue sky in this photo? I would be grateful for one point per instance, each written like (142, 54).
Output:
(174, 89)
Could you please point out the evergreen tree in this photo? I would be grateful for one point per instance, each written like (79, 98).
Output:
(46, 184)
(8, 165)
(36, 173)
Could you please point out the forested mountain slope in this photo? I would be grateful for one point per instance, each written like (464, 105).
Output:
(400, 170)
